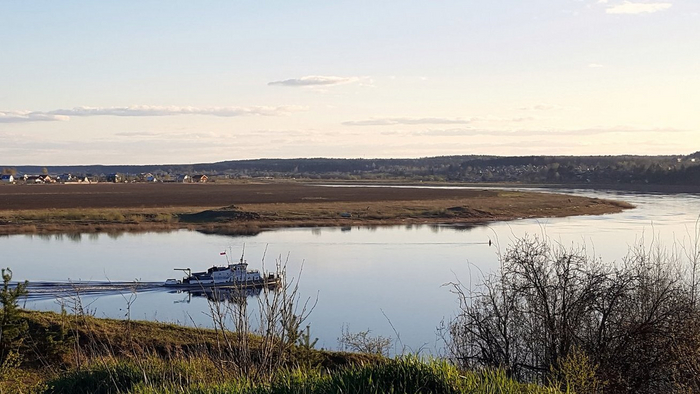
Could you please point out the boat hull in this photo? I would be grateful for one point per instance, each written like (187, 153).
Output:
(194, 285)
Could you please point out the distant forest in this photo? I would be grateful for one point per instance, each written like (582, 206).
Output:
(663, 170)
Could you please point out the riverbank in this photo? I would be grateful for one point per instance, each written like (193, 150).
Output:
(245, 208)
(62, 353)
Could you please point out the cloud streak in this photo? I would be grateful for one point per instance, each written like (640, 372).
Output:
(404, 121)
(29, 116)
(631, 8)
(467, 132)
(144, 110)
(210, 135)
(152, 110)
(439, 121)
(314, 80)
(541, 107)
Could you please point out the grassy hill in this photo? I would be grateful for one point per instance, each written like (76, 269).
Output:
(62, 353)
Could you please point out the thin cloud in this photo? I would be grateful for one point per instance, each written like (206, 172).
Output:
(405, 121)
(625, 129)
(143, 110)
(631, 8)
(315, 80)
(541, 107)
(209, 135)
(29, 116)
(138, 134)
(151, 110)
(466, 132)
(435, 121)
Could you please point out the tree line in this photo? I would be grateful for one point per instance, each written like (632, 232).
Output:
(663, 170)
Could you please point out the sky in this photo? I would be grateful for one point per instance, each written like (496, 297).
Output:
(157, 82)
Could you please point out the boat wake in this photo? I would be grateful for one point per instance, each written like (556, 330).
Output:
(48, 290)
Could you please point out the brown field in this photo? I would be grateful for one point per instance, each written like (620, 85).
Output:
(142, 206)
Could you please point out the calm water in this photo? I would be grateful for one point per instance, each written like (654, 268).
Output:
(362, 278)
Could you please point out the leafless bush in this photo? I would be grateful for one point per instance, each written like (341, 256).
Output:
(547, 302)
(258, 345)
(364, 342)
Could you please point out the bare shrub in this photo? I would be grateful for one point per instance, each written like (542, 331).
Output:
(256, 346)
(364, 342)
(549, 306)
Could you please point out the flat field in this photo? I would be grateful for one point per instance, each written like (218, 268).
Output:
(249, 207)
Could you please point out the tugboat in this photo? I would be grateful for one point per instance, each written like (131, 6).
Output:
(230, 276)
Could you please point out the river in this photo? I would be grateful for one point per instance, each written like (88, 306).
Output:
(389, 280)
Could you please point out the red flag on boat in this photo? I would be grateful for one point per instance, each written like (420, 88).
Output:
(222, 253)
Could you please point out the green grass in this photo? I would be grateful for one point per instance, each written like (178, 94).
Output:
(403, 375)
(81, 354)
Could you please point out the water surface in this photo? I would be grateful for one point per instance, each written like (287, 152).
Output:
(390, 280)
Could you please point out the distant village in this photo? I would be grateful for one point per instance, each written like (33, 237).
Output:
(579, 170)
(29, 179)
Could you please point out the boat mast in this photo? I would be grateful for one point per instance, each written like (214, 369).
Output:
(187, 270)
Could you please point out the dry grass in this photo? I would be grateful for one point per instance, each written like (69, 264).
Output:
(120, 207)
(89, 337)
(108, 356)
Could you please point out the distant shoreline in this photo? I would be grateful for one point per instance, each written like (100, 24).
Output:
(248, 207)
(637, 187)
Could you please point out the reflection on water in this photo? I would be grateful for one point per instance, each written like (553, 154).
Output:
(238, 296)
(363, 277)
(77, 237)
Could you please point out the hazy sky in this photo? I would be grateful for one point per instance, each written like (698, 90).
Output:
(140, 82)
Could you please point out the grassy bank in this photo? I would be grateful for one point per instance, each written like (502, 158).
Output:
(63, 353)
(246, 208)
(403, 375)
